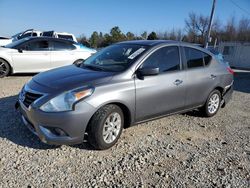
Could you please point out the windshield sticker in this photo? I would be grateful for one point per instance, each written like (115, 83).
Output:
(136, 53)
(128, 52)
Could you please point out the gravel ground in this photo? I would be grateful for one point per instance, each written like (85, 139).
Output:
(177, 151)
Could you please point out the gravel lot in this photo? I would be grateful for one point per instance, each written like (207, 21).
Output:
(177, 151)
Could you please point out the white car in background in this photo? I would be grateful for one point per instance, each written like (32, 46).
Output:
(5, 40)
(37, 54)
(62, 35)
(28, 33)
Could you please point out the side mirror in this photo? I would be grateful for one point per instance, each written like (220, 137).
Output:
(20, 50)
(147, 71)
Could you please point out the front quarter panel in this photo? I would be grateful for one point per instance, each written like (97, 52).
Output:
(119, 91)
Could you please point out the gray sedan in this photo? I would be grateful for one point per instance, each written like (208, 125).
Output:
(122, 85)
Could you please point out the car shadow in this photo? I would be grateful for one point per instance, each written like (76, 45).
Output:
(23, 74)
(13, 129)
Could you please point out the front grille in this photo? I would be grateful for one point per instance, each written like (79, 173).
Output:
(29, 98)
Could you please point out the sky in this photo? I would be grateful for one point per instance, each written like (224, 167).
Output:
(85, 16)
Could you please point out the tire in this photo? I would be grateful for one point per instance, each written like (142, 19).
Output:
(105, 127)
(78, 62)
(212, 104)
(4, 68)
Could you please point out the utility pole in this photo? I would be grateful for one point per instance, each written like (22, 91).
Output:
(210, 24)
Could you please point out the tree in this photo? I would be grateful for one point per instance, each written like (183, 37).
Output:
(116, 35)
(94, 39)
(152, 36)
(144, 35)
(196, 27)
(83, 40)
(130, 36)
(244, 29)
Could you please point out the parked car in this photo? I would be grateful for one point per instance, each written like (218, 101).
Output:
(63, 35)
(37, 54)
(121, 85)
(28, 33)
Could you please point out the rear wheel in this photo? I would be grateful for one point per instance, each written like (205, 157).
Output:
(212, 104)
(4, 68)
(106, 127)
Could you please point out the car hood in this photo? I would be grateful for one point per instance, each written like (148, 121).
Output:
(70, 77)
(3, 49)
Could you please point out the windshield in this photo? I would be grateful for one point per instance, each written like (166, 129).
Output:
(115, 58)
(16, 43)
(16, 35)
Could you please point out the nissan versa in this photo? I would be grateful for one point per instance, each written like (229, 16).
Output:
(121, 85)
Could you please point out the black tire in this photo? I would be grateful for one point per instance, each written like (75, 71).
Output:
(96, 126)
(205, 109)
(4, 68)
(78, 62)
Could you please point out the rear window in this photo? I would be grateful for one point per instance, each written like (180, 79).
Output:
(59, 46)
(48, 34)
(196, 58)
(69, 37)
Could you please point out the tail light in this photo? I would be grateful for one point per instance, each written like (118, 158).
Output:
(230, 70)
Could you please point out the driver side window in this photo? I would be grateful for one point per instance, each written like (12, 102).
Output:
(166, 59)
(42, 45)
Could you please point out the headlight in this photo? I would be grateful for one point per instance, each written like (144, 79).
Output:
(66, 100)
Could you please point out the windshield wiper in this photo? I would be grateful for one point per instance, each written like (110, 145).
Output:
(96, 68)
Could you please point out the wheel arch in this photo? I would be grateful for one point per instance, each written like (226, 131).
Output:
(126, 112)
(220, 89)
(7, 61)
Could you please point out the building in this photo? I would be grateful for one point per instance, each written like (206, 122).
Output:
(236, 53)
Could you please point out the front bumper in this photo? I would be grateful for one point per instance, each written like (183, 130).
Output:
(71, 125)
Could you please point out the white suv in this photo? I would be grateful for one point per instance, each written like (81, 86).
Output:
(28, 33)
(62, 35)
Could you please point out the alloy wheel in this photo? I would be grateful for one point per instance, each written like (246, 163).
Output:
(112, 127)
(213, 103)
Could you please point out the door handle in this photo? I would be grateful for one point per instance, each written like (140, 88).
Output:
(212, 76)
(178, 82)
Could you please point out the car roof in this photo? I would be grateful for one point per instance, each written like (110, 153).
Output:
(51, 39)
(153, 43)
(150, 42)
(159, 42)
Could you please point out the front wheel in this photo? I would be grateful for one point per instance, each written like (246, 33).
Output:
(4, 68)
(212, 104)
(106, 127)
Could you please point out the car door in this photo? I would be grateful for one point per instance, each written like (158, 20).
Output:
(199, 78)
(163, 93)
(62, 53)
(32, 56)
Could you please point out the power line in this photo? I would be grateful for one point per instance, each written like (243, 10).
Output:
(244, 10)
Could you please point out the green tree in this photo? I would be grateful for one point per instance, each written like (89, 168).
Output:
(152, 36)
(116, 35)
(130, 36)
(94, 39)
